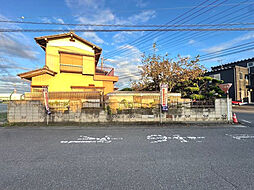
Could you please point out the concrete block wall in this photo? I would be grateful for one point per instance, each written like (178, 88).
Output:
(25, 111)
(34, 111)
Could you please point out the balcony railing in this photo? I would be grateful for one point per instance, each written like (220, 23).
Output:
(106, 71)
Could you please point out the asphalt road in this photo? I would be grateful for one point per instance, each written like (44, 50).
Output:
(127, 158)
(245, 114)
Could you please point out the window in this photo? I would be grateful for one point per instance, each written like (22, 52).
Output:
(241, 75)
(216, 76)
(250, 65)
(71, 63)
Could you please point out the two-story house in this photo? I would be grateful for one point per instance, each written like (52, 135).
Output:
(70, 65)
(241, 75)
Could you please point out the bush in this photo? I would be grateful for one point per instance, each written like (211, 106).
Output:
(197, 96)
(192, 89)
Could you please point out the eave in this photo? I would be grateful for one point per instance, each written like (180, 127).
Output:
(28, 75)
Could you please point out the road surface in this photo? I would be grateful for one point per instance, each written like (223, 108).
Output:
(131, 157)
(245, 114)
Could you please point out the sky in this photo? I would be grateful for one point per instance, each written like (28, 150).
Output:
(121, 50)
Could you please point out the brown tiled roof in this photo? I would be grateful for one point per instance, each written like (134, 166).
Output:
(28, 75)
(42, 40)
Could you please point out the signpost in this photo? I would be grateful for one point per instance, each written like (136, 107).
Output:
(46, 102)
(163, 99)
(225, 88)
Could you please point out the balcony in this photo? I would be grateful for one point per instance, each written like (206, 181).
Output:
(105, 74)
(106, 71)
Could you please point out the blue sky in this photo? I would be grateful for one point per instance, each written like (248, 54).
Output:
(19, 52)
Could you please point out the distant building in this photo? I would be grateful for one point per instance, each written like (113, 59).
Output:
(71, 65)
(10, 96)
(241, 75)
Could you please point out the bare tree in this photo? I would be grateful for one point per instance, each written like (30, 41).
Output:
(158, 69)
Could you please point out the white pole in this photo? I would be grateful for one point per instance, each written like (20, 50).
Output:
(228, 106)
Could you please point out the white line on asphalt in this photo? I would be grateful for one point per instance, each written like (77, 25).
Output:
(240, 136)
(239, 126)
(86, 139)
(245, 121)
(182, 139)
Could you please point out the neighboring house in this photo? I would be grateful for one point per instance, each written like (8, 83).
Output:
(70, 65)
(10, 96)
(241, 75)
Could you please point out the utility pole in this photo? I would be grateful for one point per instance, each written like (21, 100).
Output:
(102, 63)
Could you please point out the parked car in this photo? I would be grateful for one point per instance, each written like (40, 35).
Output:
(238, 103)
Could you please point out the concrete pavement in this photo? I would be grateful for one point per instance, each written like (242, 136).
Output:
(127, 158)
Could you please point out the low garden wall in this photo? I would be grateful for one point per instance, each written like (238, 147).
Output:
(34, 111)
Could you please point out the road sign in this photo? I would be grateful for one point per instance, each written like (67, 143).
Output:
(164, 97)
(225, 87)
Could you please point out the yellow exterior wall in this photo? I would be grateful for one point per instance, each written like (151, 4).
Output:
(41, 79)
(53, 58)
(109, 87)
(62, 82)
(88, 65)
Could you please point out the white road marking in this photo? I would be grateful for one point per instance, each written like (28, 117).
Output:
(86, 139)
(239, 126)
(240, 136)
(163, 138)
(245, 121)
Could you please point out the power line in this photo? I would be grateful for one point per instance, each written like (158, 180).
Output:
(166, 41)
(127, 30)
(223, 55)
(122, 25)
(174, 42)
(133, 10)
(227, 51)
(188, 17)
(175, 20)
(249, 44)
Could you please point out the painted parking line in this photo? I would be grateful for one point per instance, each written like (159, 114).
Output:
(182, 139)
(240, 136)
(245, 121)
(240, 126)
(86, 139)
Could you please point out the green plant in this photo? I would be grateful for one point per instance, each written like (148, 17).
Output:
(109, 110)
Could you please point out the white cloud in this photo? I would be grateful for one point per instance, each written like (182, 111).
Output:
(141, 3)
(60, 20)
(144, 16)
(93, 37)
(9, 82)
(83, 3)
(45, 19)
(127, 66)
(90, 12)
(191, 41)
(121, 37)
(12, 44)
(230, 43)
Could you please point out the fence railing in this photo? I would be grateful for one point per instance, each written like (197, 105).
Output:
(63, 95)
(125, 105)
(107, 71)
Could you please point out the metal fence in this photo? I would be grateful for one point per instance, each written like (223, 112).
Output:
(124, 105)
